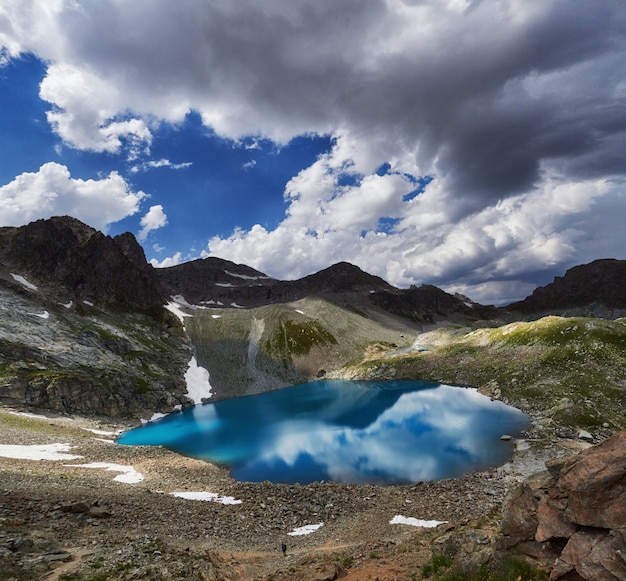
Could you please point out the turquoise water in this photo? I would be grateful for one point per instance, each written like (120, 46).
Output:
(343, 431)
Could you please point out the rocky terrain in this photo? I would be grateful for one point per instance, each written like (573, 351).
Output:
(85, 339)
(61, 521)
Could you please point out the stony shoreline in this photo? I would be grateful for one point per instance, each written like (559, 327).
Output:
(57, 520)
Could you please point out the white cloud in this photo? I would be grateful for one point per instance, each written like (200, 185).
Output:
(153, 220)
(51, 191)
(169, 261)
(86, 112)
(515, 108)
(457, 255)
(152, 164)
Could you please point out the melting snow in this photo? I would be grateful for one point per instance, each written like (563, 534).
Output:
(415, 522)
(305, 530)
(68, 305)
(44, 315)
(89, 303)
(128, 474)
(207, 497)
(174, 307)
(38, 452)
(198, 385)
(24, 282)
(155, 416)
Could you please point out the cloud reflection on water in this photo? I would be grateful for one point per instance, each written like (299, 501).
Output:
(345, 431)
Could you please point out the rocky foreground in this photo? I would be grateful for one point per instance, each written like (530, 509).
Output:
(59, 521)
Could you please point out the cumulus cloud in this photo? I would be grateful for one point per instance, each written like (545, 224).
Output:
(52, 191)
(153, 220)
(516, 109)
(169, 261)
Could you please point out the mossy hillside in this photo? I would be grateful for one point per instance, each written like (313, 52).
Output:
(252, 350)
(292, 337)
(571, 371)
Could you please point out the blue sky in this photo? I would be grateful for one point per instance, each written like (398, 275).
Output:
(478, 146)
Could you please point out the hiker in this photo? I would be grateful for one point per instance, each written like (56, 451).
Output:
(283, 548)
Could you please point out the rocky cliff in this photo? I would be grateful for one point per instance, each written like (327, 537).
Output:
(83, 328)
(571, 519)
(597, 288)
(72, 260)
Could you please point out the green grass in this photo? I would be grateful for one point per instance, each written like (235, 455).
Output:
(441, 568)
(535, 364)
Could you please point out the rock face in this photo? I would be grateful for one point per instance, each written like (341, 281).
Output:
(63, 251)
(83, 325)
(601, 281)
(571, 519)
(217, 282)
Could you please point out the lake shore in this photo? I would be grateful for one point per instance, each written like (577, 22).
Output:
(57, 519)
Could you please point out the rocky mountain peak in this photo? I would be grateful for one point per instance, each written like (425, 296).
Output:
(601, 281)
(64, 255)
(341, 277)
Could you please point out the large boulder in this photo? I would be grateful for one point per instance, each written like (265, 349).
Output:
(571, 519)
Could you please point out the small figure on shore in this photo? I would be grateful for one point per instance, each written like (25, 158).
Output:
(283, 548)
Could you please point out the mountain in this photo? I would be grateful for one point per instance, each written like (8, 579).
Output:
(216, 282)
(82, 324)
(74, 261)
(598, 287)
(85, 328)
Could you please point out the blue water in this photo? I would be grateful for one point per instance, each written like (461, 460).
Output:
(343, 431)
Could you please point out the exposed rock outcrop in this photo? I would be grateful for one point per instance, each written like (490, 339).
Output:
(601, 282)
(63, 252)
(571, 519)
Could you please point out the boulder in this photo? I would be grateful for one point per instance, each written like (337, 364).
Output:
(571, 519)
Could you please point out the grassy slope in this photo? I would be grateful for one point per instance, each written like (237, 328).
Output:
(568, 372)
(253, 350)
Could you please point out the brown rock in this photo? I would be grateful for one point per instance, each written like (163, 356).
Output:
(595, 485)
(571, 519)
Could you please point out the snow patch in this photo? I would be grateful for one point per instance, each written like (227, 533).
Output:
(174, 308)
(225, 284)
(44, 315)
(198, 385)
(128, 474)
(38, 452)
(415, 522)
(88, 303)
(155, 416)
(102, 432)
(305, 530)
(24, 282)
(246, 276)
(207, 497)
(67, 305)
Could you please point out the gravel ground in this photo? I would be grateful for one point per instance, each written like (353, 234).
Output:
(64, 522)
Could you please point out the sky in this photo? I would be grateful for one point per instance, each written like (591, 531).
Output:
(477, 145)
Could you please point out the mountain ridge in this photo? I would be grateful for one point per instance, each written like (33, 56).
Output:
(101, 309)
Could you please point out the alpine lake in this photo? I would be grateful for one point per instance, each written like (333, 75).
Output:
(391, 432)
